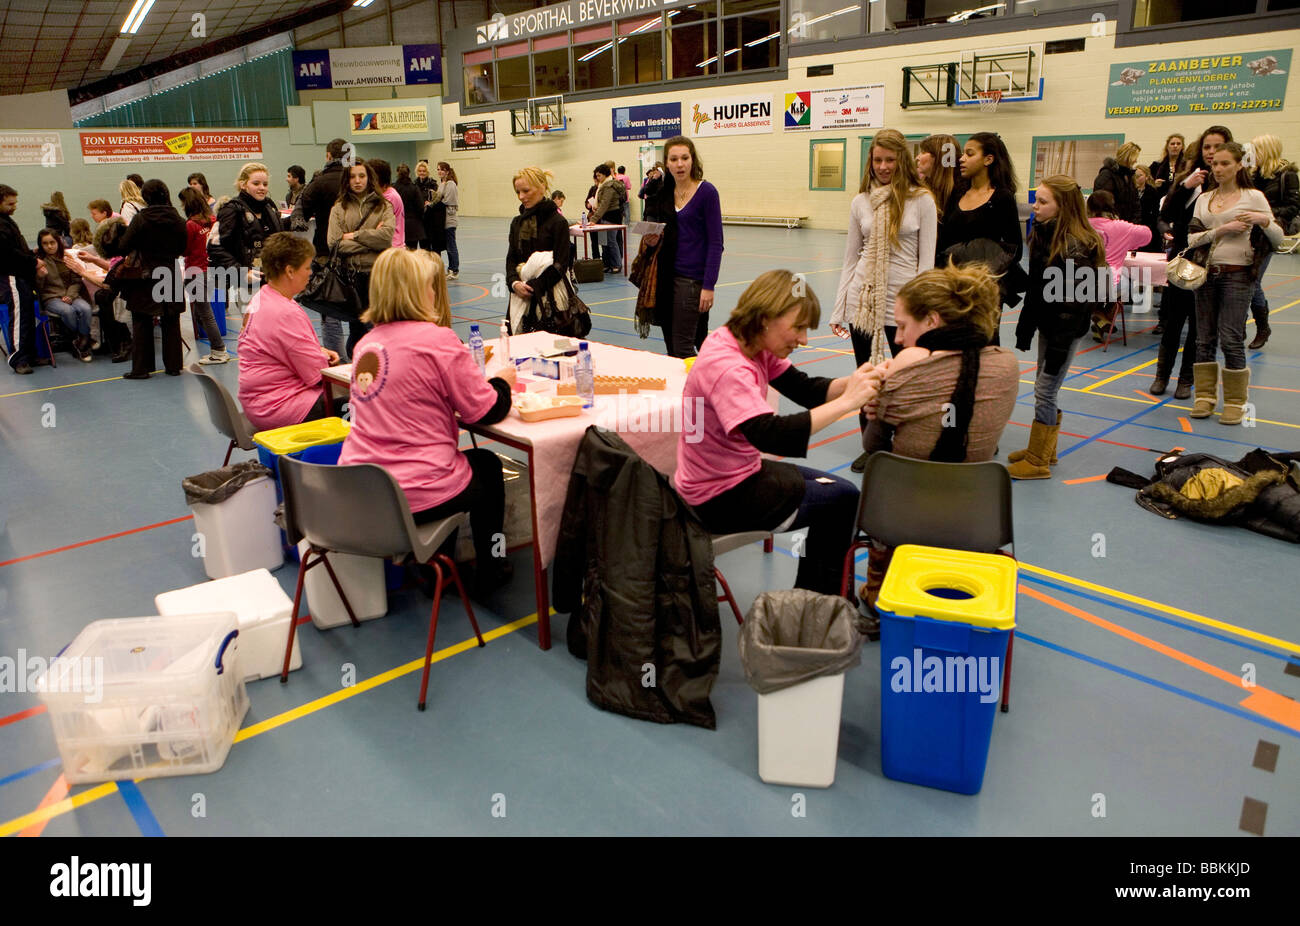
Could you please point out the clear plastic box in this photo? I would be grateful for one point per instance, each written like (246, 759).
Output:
(146, 697)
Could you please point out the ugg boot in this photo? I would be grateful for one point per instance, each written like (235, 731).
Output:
(1035, 463)
(878, 559)
(1016, 456)
(1236, 391)
(1207, 389)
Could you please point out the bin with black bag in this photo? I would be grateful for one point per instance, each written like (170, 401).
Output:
(234, 516)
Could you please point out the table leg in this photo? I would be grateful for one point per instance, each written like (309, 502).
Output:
(539, 570)
(586, 252)
(328, 390)
(625, 252)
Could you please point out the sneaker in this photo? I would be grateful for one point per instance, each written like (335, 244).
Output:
(453, 274)
(85, 356)
(22, 369)
(217, 356)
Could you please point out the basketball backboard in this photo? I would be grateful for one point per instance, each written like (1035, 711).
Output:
(1016, 70)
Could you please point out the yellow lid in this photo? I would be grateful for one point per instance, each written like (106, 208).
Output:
(301, 436)
(917, 573)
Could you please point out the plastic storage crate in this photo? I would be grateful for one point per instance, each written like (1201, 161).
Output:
(146, 697)
(945, 619)
(262, 609)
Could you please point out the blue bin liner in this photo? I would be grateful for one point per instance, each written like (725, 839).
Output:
(939, 739)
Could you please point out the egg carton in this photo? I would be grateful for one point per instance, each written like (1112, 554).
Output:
(613, 385)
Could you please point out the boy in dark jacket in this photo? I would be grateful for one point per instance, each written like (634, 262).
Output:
(1116, 178)
(18, 279)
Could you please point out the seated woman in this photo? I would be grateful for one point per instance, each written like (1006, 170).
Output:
(952, 405)
(411, 377)
(1119, 237)
(279, 357)
(720, 470)
(61, 292)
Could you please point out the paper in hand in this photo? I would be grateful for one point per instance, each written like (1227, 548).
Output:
(647, 228)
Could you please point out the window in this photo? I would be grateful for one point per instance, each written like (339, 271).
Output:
(1079, 156)
(693, 41)
(752, 42)
(821, 20)
(1161, 12)
(640, 50)
(826, 163)
(479, 86)
(551, 65)
(514, 79)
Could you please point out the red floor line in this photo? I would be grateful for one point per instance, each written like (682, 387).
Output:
(836, 437)
(86, 543)
(22, 715)
(804, 363)
(1100, 440)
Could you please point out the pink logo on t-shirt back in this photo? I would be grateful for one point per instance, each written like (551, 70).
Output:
(369, 372)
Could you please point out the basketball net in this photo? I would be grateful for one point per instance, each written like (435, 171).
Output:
(541, 129)
(989, 100)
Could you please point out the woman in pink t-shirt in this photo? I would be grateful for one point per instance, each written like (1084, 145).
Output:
(411, 377)
(279, 357)
(720, 469)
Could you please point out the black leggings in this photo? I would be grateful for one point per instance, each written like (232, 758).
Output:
(485, 500)
(357, 329)
(862, 354)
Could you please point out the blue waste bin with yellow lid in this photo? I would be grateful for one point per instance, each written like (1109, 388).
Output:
(945, 619)
(313, 441)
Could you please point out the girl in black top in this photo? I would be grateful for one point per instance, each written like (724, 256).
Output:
(157, 235)
(1171, 165)
(985, 211)
(539, 226)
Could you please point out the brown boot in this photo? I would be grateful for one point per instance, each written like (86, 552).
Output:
(877, 565)
(1016, 456)
(1206, 377)
(1236, 392)
(1034, 464)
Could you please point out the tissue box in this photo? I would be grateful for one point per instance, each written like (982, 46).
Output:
(560, 369)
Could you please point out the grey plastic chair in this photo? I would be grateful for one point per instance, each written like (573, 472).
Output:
(226, 415)
(361, 510)
(725, 543)
(957, 506)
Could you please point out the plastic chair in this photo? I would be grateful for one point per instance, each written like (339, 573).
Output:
(361, 510)
(1115, 311)
(725, 543)
(958, 506)
(225, 413)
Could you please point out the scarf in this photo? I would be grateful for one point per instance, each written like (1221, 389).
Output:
(870, 317)
(951, 446)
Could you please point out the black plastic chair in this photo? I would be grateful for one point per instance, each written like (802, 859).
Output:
(226, 415)
(957, 506)
(361, 510)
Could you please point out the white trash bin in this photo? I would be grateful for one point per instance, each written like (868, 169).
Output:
(363, 580)
(240, 533)
(263, 611)
(799, 733)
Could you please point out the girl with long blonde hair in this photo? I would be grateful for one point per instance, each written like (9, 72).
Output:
(1278, 180)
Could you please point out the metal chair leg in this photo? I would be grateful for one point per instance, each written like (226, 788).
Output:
(726, 594)
(460, 587)
(433, 629)
(293, 618)
(1006, 675)
(337, 587)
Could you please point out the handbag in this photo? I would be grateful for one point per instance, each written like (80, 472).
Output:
(332, 289)
(1185, 273)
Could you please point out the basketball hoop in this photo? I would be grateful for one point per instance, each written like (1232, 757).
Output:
(540, 129)
(989, 100)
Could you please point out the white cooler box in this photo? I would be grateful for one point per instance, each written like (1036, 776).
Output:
(262, 609)
(240, 534)
(799, 733)
(362, 578)
(146, 697)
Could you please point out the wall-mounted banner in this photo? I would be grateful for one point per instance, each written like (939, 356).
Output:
(391, 120)
(1210, 85)
(31, 148)
(822, 110)
(473, 136)
(642, 123)
(370, 66)
(564, 16)
(212, 145)
(733, 115)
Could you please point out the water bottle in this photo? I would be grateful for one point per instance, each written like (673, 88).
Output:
(503, 342)
(585, 376)
(476, 348)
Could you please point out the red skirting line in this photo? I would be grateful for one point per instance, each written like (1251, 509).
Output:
(86, 543)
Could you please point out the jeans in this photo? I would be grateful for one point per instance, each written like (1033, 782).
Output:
(357, 329)
(612, 251)
(1258, 301)
(453, 255)
(829, 510)
(75, 315)
(862, 354)
(485, 500)
(1177, 308)
(688, 326)
(1222, 304)
(331, 336)
(1047, 385)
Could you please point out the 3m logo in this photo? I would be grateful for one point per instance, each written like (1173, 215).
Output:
(180, 144)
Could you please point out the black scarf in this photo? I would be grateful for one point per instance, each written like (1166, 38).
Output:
(951, 446)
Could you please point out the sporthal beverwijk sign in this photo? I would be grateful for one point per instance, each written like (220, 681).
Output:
(565, 16)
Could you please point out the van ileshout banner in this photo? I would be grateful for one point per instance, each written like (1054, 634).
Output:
(120, 147)
(394, 120)
(733, 115)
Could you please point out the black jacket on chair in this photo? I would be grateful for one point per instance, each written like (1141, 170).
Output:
(1118, 181)
(634, 569)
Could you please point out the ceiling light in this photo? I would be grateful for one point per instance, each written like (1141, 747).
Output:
(135, 18)
(768, 38)
(967, 14)
(591, 54)
(115, 54)
(362, 3)
(817, 19)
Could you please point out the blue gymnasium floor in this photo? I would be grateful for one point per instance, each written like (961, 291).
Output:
(1124, 681)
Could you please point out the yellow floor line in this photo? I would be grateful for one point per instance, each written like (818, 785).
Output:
(103, 790)
(9, 395)
(1111, 379)
(1287, 645)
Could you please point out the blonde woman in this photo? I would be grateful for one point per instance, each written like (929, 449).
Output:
(412, 370)
(538, 228)
(1116, 178)
(132, 201)
(1277, 179)
(893, 230)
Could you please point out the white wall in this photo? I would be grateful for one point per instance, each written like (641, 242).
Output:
(769, 173)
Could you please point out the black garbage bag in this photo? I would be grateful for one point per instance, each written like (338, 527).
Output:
(219, 484)
(797, 635)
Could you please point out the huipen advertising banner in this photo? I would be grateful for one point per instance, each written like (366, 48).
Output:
(733, 115)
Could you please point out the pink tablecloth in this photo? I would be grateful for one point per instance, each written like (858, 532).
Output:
(649, 421)
(1153, 261)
